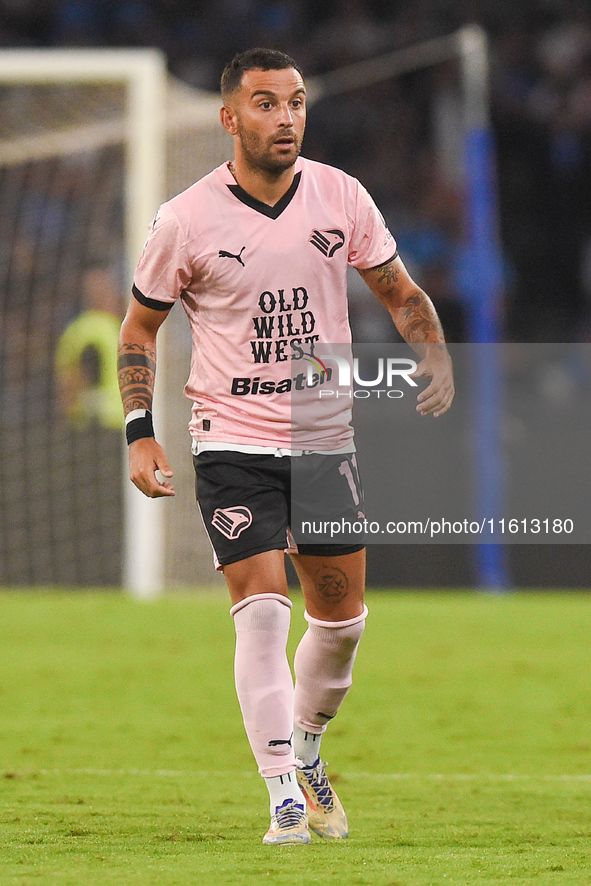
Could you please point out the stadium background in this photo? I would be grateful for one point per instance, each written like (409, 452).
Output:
(541, 107)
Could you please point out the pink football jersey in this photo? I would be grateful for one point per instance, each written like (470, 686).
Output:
(263, 287)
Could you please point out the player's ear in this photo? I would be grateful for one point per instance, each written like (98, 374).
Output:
(229, 119)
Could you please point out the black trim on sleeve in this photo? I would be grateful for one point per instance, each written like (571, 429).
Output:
(264, 208)
(150, 302)
(382, 263)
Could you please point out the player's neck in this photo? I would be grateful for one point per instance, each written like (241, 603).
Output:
(261, 185)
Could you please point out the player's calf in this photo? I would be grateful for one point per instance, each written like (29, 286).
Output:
(265, 692)
(324, 672)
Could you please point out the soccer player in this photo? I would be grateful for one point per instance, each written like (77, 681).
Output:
(257, 251)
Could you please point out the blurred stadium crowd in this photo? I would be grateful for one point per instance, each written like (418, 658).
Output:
(401, 138)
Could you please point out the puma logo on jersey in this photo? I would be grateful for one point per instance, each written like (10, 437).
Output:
(223, 254)
(231, 522)
(327, 241)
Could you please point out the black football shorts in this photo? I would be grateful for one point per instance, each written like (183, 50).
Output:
(254, 503)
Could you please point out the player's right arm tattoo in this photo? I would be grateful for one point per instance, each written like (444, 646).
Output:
(137, 370)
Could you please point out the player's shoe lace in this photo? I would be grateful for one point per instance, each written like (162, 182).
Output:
(326, 816)
(288, 825)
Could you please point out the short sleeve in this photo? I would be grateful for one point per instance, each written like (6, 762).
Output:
(164, 270)
(371, 242)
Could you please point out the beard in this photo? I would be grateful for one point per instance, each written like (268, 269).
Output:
(261, 154)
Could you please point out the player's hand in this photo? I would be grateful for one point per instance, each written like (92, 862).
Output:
(146, 456)
(438, 395)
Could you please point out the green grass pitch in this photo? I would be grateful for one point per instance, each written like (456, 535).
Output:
(462, 754)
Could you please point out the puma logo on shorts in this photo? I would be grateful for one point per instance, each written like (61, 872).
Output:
(231, 521)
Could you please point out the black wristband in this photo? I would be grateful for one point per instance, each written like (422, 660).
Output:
(139, 427)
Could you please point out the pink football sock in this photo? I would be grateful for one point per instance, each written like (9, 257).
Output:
(324, 671)
(263, 680)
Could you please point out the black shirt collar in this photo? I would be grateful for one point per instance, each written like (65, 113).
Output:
(264, 208)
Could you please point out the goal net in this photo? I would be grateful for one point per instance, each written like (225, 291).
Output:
(76, 199)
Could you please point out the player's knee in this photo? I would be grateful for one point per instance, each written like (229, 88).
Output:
(341, 637)
(262, 612)
(350, 628)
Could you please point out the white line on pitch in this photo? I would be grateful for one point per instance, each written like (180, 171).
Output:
(376, 776)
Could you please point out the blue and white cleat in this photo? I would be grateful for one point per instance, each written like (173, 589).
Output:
(288, 825)
(326, 816)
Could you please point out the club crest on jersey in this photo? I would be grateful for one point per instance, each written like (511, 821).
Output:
(327, 241)
(231, 522)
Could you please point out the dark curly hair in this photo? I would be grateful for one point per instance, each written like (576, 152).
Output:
(254, 59)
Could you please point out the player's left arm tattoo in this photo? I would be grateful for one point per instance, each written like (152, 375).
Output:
(386, 273)
(411, 309)
(417, 320)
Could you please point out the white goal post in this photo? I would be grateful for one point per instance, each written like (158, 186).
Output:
(142, 72)
(120, 111)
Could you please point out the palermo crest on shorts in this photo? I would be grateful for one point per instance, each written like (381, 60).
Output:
(231, 522)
